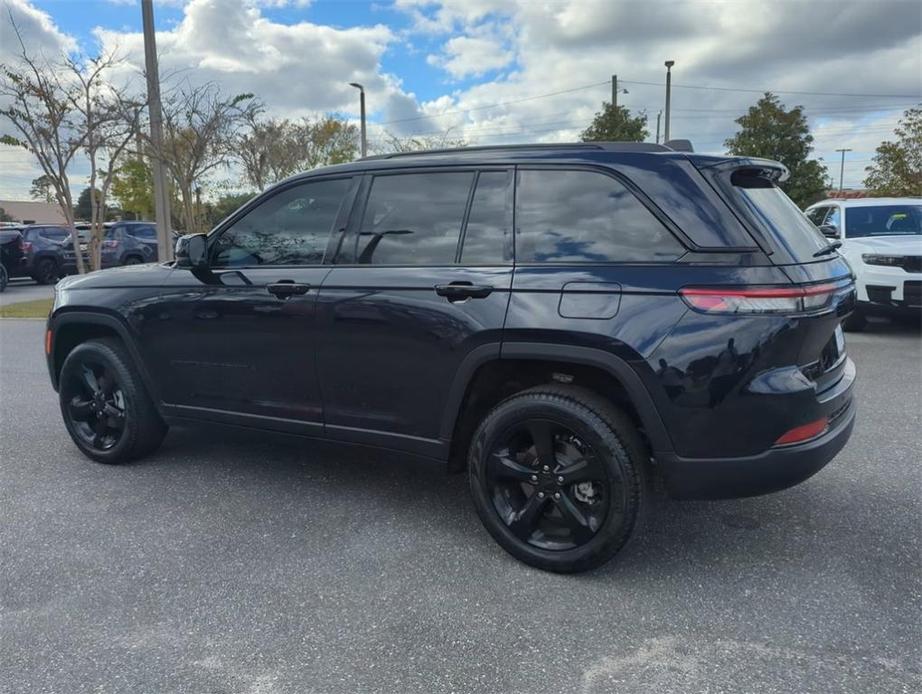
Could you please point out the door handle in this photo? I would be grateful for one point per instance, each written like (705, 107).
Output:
(459, 291)
(286, 288)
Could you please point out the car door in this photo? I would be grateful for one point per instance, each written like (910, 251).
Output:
(419, 288)
(239, 338)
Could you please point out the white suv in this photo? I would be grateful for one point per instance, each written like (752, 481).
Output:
(882, 240)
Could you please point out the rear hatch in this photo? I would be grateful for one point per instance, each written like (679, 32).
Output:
(795, 246)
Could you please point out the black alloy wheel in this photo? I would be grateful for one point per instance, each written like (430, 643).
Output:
(132, 260)
(547, 485)
(106, 408)
(96, 406)
(557, 477)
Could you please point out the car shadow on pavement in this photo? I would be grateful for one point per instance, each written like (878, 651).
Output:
(675, 536)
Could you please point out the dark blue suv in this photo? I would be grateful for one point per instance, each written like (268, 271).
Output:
(565, 322)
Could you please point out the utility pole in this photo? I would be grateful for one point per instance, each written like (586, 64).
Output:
(614, 91)
(669, 64)
(161, 192)
(658, 118)
(842, 168)
(362, 108)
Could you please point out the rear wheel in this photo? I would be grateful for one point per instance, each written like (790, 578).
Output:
(557, 477)
(132, 260)
(106, 408)
(46, 271)
(4, 277)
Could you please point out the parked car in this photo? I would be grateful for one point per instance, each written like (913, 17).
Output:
(882, 240)
(121, 246)
(145, 232)
(10, 253)
(47, 253)
(566, 321)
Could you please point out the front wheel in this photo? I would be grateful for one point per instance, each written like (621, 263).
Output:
(557, 477)
(106, 408)
(4, 277)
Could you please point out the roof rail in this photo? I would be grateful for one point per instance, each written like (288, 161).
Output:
(602, 146)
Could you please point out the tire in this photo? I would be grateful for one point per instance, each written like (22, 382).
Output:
(578, 525)
(99, 376)
(132, 260)
(46, 271)
(856, 322)
(4, 277)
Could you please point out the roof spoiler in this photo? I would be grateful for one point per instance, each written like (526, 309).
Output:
(680, 145)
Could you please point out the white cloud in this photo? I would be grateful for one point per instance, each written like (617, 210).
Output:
(469, 55)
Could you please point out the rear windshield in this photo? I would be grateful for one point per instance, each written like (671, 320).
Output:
(777, 216)
(883, 220)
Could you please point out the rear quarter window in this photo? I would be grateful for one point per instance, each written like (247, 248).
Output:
(776, 216)
(576, 216)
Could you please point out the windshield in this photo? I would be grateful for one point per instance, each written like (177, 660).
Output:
(777, 216)
(883, 220)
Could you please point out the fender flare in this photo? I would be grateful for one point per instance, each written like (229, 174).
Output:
(618, 368)
(107, 320)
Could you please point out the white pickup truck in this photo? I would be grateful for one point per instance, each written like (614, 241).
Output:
(882, 241)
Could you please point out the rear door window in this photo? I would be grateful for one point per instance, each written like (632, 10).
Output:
(586, 217)
(488, 233)
(413, 219)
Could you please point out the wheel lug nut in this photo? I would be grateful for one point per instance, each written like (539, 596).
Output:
(546, 468)
(560, 478)
(556, 495)
(534, 478)
(540, 495)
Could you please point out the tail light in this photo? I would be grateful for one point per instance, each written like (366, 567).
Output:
(25, 246)
(789, 299)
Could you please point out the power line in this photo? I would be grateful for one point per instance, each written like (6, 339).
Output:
(777, 91)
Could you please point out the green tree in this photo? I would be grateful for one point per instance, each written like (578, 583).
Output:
(616, 124)
(769, 130)
(42, 189)
(133, 187)
(224, 206)
(84, 207)
(897, 167)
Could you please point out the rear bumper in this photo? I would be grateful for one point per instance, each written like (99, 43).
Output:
(777, 468)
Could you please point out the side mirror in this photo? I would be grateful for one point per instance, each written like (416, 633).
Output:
(191, 251)
(830, 231)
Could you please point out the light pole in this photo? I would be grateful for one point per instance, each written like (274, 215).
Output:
(842, 168)
(362, 106)
(161, 193)
(669, 64)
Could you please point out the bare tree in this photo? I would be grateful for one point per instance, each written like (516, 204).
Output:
(273, 149)
(390, 143)
(38, 105)
(112, 123)
(200, 129)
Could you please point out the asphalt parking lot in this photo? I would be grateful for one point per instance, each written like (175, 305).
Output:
(232, 562)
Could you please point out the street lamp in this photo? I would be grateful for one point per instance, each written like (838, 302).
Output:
(669, 64)
(362, 104)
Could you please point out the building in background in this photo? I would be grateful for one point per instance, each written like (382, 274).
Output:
(30, 211)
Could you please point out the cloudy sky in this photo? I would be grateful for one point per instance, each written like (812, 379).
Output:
(503, 71)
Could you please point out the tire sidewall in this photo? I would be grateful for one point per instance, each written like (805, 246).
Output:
(49, 277)
(102, 354)
(616, 527)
